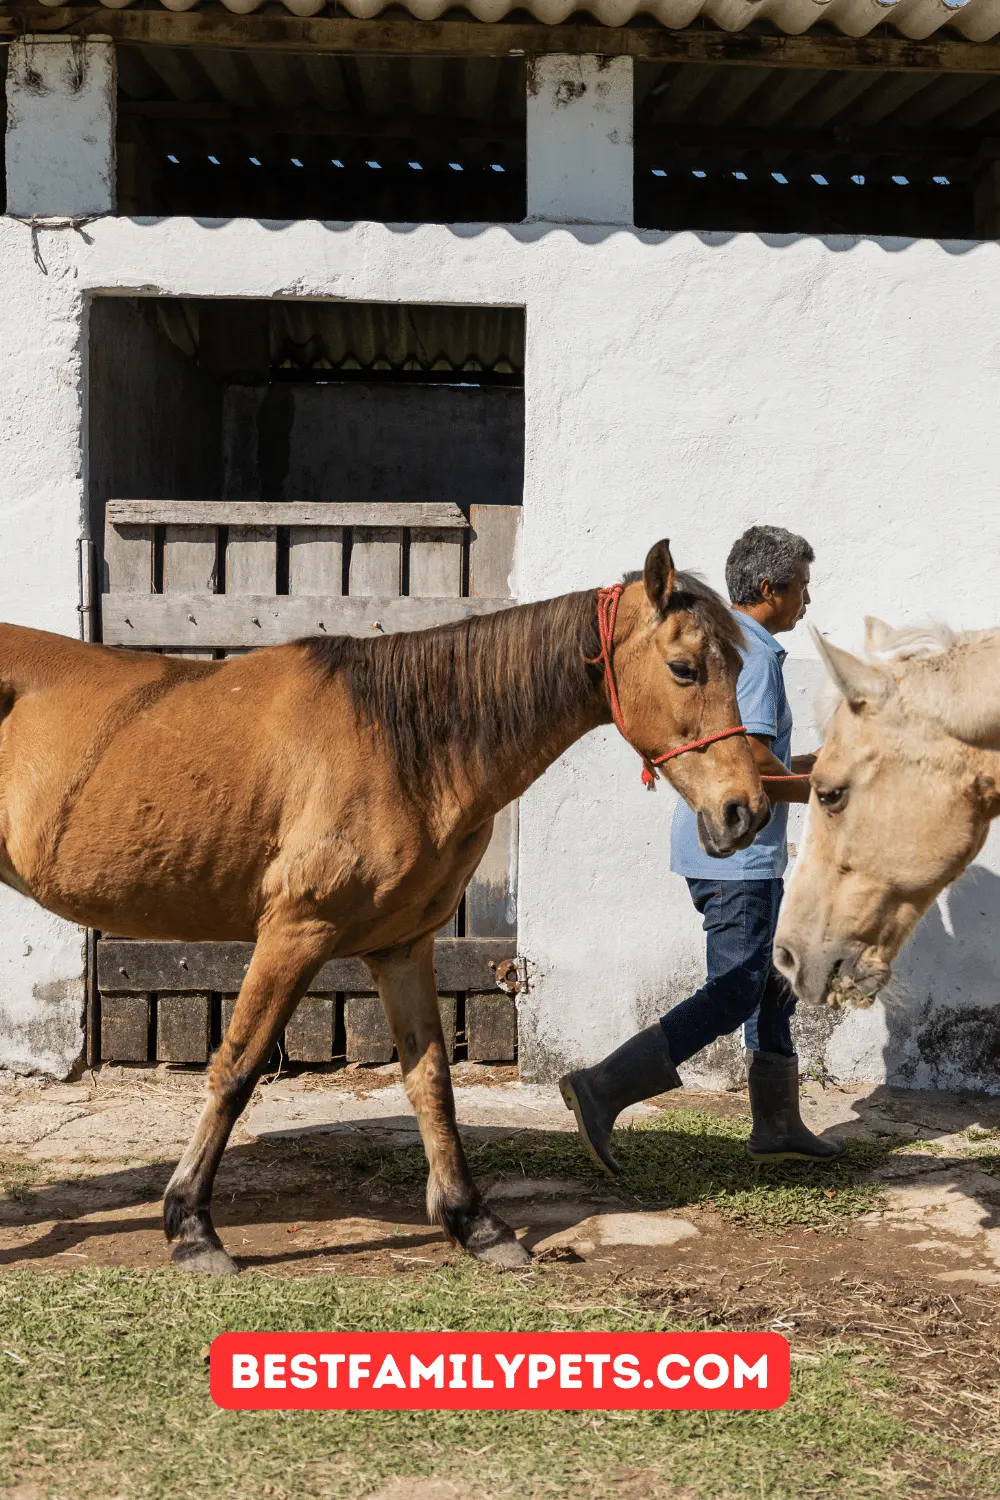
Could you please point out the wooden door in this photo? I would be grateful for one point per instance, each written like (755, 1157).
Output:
(202, 578)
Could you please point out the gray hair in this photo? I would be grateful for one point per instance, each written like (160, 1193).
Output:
(762, 552)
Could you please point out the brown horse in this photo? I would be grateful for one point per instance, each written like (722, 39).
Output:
(333, 797)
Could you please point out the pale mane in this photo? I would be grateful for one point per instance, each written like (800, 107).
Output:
(885, 645)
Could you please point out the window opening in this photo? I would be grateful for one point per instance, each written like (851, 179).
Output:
(214, 133)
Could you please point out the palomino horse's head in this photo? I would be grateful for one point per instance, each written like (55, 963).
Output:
(676, 665)
(900, 804)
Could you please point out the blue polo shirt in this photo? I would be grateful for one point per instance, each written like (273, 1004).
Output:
(763, 703)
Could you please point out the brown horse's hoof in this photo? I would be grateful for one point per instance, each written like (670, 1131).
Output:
(506, 1255)
(203, 1260)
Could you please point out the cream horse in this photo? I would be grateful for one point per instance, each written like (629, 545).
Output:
(903, 793)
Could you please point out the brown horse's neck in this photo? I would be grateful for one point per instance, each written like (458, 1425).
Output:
(479, 709)
(566, 691)
(540, 689)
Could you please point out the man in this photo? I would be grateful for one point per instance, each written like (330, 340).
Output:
(767, 574)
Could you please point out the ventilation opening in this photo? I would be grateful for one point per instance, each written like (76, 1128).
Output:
(223, 134)
(814, 152)
(314, 401)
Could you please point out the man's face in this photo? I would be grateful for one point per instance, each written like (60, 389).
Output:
(791, 603)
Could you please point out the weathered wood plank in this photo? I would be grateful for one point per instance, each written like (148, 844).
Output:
(128, 966)
(309, 1033)
(491, 549)
(436, 564)
(433, 514)
(376, 562)
(183, 1023)
(316, 560)
(491, 897)
(128, 559)
(187, 621)
(190, 560)
(275, 32)
(491, 1027)
(447, 1005)
(251, 560)
(124, 1028)
(369, 1039)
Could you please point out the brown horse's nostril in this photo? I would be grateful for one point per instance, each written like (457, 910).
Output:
(737, 819)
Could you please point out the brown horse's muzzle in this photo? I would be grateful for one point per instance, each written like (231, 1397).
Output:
(733, 827)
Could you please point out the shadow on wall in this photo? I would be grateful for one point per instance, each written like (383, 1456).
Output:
(530, 231)
(949, 1043)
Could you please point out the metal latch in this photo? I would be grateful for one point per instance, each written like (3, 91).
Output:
(511, 975)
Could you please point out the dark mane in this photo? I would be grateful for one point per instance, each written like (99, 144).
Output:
(485, 683)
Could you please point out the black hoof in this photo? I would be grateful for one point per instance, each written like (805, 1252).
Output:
(195, 1246)
(485, 1237)
(203, 1259)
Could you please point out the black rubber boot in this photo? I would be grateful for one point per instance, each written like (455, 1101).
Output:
(640, 1068)
(778, 1132)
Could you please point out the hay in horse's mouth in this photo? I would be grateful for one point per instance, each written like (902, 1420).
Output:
(842, 988)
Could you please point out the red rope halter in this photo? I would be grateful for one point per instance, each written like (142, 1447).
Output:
(607, 611)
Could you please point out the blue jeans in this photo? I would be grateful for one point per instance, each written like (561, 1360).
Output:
(743, 988)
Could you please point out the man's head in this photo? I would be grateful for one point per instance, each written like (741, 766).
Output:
(767, 574)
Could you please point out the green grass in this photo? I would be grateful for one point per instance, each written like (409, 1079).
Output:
(108, 1397)
(16, 1181)
(681, 1159)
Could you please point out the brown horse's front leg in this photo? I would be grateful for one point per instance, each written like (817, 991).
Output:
(408, 988)
(285, 959)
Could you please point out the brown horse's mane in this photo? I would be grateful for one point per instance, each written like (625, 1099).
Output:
(483, 684)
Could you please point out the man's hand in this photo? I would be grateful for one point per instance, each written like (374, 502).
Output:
(781, 785)
(802, 764)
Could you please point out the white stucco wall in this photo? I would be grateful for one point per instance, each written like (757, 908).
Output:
(579, 139)
(682, 385)
(61, 111)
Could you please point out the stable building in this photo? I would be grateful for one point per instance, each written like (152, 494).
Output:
(329, 318)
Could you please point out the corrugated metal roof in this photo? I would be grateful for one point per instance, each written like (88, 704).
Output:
(976, 20)
(330, 338)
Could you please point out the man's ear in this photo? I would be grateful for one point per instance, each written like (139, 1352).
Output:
(658, 576)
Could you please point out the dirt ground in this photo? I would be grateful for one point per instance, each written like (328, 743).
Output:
(84, 1165)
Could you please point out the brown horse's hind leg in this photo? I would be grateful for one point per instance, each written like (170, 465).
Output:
(408, 989)
(285, 959)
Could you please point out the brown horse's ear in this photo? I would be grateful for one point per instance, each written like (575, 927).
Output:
(863, 684)
(658, 576)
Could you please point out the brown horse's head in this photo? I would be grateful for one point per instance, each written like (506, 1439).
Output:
(900, 804)
(676, 663)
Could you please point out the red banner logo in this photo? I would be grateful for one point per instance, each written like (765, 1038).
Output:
(500, 1371)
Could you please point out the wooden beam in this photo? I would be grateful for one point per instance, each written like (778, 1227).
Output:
(207, 621)
(650, 139)
(277, 32)
(443, 514)
(127, 967)
(259, 122)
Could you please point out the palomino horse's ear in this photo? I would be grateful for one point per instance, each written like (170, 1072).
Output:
(878, 635)
(658, 575)
(862, 684)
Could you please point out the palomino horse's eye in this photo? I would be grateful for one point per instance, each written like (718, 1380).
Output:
(683, 671)
(833, 798)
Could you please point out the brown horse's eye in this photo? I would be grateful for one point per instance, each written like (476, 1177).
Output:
(833, 798)
(683, 671)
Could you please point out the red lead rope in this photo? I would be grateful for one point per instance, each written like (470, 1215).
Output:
(607, 611)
